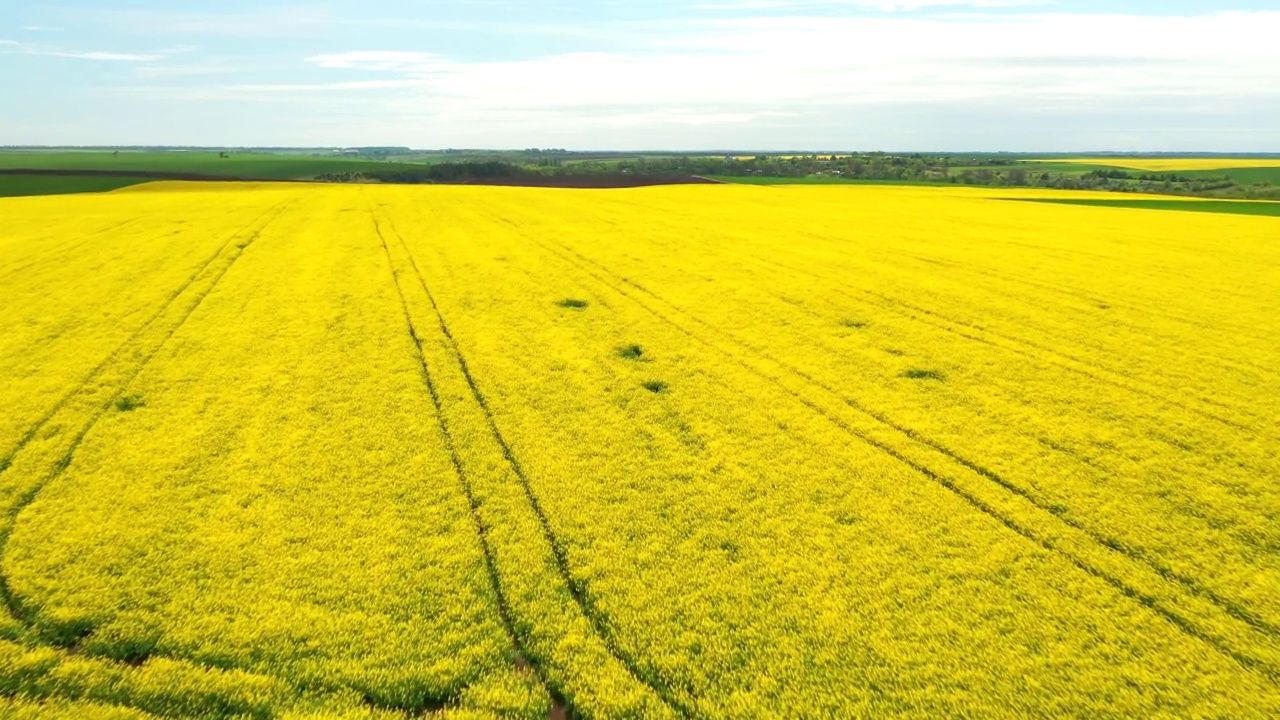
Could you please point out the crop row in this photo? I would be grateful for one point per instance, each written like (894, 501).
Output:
(658, 507)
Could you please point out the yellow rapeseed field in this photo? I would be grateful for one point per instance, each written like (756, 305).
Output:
(681, 452)
(1175, 164)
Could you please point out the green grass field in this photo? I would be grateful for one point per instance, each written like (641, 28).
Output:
(23, 185)
(1242, 176)
(257, 165)
(1235, 207)
(770, 180)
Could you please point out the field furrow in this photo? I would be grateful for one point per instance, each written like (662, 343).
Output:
(1076, 542)
(509, 512)
(29, 468)
(483, 274)
(397, 616)
(376, 452)
(1245, 502)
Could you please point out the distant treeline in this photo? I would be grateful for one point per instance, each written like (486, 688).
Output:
(923, 168)
(497, 172)
(447, 172)
(553, 170)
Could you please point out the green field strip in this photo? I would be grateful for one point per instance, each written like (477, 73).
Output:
(32, 185)
(1232, 207)
(260, 165)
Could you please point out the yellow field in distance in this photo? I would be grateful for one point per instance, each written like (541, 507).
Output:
(1174, 164)
(722, 451)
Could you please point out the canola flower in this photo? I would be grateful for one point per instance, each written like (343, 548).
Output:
(1175, 164)
(798, 452)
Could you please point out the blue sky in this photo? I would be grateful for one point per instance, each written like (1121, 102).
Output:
(1027, 75)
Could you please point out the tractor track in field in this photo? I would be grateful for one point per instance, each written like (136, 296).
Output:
(1053, 357)
(1094, 300)
(31, 433)
(64, 461)
(9, 599)
(13, 606)
(1137, 554)
(11, 602)
(468, 490)
(577, 589)
(1228, 605)
(1058, 358)
(1087, 368)
(1153, 603)
(937, 320)
(1232, 607)
(67, 244)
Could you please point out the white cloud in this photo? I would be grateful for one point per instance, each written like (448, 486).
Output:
(379, 60)
(102, 56)
(319, 87)
(786, 63)
(789, 70)
(803, 76)
(880, 5)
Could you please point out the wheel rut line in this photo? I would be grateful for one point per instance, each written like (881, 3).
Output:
(473, 504)
(64, 246)
(10, 600)
(1233, 608)
(1063, 360)
(1054, 357)
(114, 704)
(11, 516)
(34, 430)
(1113, 544)
(1150, 602)
(576, 588)
(1081, 295)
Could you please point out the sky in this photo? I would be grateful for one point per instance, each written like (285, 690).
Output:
(908, 75)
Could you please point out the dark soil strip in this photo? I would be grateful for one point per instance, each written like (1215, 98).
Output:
(1124, 588)
(604, 181)
(482, 531)
(576, 588)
